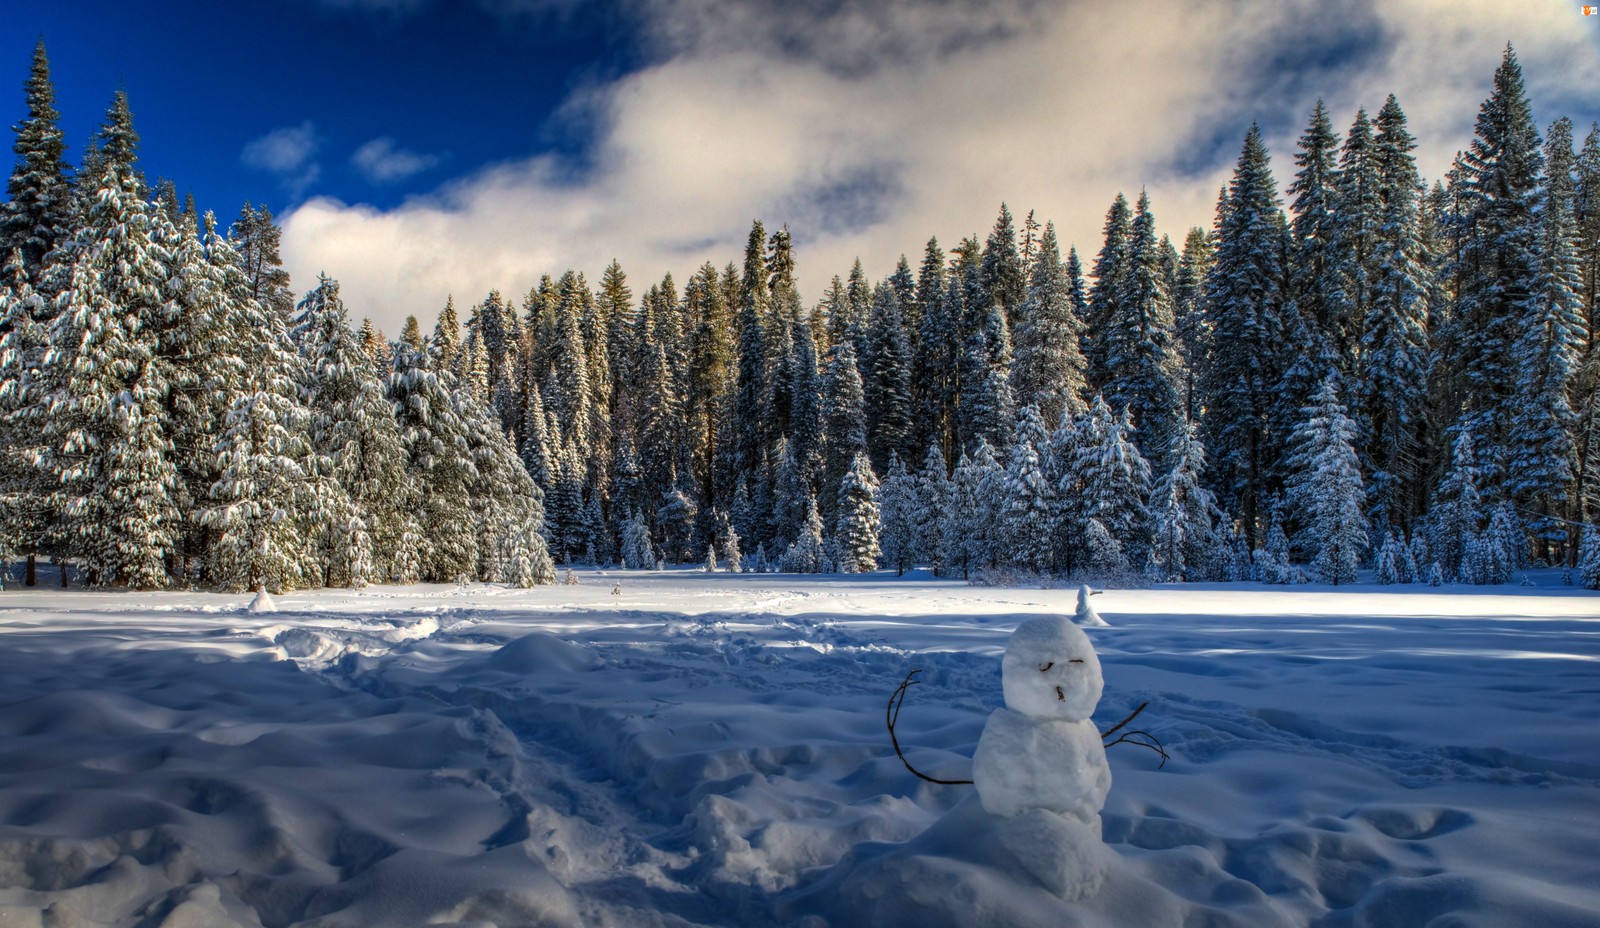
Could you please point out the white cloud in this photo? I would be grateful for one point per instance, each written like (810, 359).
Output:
(869, 126)
(381, 161)
(287, 152)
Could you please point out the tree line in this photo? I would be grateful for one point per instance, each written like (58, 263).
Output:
(1381, 372)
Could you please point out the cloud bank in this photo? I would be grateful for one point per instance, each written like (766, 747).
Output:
(868, 126)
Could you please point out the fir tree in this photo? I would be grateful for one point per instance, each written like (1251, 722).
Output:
(1140, 370)
(1326, 488)
(1029, 503)
(898, 512)
(806, 555)
(1393, 361)
(1244, 298)
(1498, 269)
(1110, 287)
(933, 503)
(39, 215)
(856, 529)
(1049, 371)
(887, 384)
(1546, 354)
(1185, 515)
(439, 466)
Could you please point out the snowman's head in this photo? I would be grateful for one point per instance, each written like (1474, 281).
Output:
(1050, 671)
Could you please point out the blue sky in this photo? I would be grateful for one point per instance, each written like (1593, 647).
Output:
(421, 148)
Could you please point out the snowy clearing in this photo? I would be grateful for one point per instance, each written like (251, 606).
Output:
(709, 749)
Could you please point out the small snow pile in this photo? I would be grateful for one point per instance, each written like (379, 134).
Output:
(262, 602)
(1086, 614)
(1041, 755)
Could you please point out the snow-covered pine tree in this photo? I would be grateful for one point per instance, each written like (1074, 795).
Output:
(933, 384)
(1136, 347)
(1249, 349)
(1028, 505)
(933, 502)
(1185, 515)
(1110, 287)
(1392, 365)
(1354, 245)
(1001, 271)
(675, 519)
(38, 217)
(1325, 487)
(887, 378)
(1548, 349)
(1049, 369)
(1189, 317)
(96, 427)
(1317, 288)
(807, 554)
(637, 552)
(255, 236)
(24, 489)
(967, 525)
(898, 511)
(844, 415)
(855, 533)
(439, 466)
(1589, 558)
(1457, 512)
(353, 432)
(1497, 269)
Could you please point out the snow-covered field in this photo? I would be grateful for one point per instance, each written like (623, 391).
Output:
(710, 749)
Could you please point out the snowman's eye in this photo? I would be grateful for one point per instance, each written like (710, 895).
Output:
(1046, 666)
(1076, 660)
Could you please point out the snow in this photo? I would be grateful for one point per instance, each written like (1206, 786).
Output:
(709, 749)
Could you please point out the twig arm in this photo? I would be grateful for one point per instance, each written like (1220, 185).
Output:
(891, 715)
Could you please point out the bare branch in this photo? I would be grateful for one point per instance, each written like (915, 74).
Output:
(891, 715)
(1112, 730)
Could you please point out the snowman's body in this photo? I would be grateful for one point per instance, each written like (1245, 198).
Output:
(1042, 751)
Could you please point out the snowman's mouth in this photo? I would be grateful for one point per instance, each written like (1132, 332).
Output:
(1060, 696)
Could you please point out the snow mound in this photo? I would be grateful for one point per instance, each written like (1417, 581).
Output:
(541, 653)
(261, 603)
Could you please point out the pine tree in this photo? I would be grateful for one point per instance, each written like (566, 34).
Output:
(968, 527)
(933, 502)
(353, 429)
(1029, 504)
(858, 521)
(1004, 278)
(1317, 289)
(637, 552)
(1326, 487)
(933, 384)
(1190, 315)
(1498, 268)
(1247, 360)
(1141, 372)
(39, 215)
(887, 380)
(256, 237)
(806, 555)
(1049, 371)
(1185, 515)
(898, 512)
(1547, 354)
(1110, 287)
(1393, 362)
(96, 427)
(1589, 559)
(1354, 245)
(844, 415)
(439, 465)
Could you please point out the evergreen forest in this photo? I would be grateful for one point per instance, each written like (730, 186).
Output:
(1361, 369)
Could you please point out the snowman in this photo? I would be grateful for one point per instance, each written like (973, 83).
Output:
(1086, 615)
(1042, 751)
